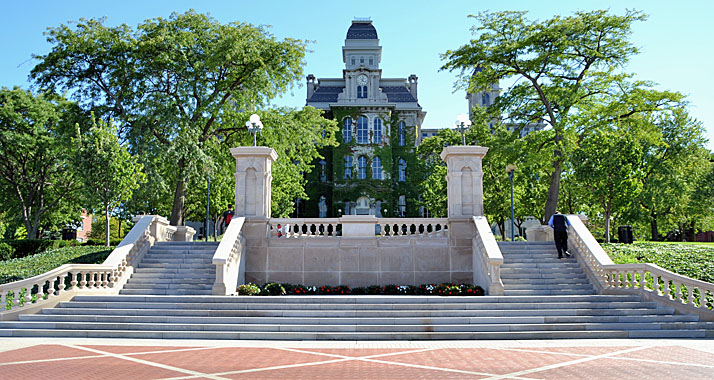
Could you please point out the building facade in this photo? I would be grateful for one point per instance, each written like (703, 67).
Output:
(373, 171)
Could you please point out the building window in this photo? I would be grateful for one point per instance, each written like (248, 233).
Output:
(402, 170)
(362, 130)
(362, 167)
(322, 207)
(362, 92)
(353, 61)
(377, 168)
(377, 130)
(402, 206)
(361, 60)
(402, 130)
(371, 61)
(323, 171)
(348, 167)
(485, 99)
(347, 130)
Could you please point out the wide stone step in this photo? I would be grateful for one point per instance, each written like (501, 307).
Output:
(535, 281)
(529, 271)
(544, 292)
(177, 266)
(169, 281)
(393, 301)
(180, 259)
(566, 264)
(557, 275)
(353, 320)
(325, 308)
(160, 271)
(379, 328)
(152, 291)
(509, 286)
(177, 285)
(383, 314)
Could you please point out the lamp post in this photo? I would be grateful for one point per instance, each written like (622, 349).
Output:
(254, 126)
(510, 169)
(208, 204)
(461, 122)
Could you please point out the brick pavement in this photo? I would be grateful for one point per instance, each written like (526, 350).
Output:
(107, 361)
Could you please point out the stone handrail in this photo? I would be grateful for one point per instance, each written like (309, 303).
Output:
(423, 227)
(303, 227)
(229, 259)
(651, 280)
(487, 258)
(47, 289)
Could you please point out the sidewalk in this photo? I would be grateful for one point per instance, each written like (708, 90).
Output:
(106, 359)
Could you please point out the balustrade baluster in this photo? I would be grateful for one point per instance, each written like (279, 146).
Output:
(73, 281)
(90, 283)
(667, 292)
(28, 294)
(16, 297)
(82, 280)
(679, 292)
(655, 283)
(41, 290)
(690, 295)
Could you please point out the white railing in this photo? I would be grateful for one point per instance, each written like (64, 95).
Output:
(487, 258)
(332, 227)
(229, 259)
(45, 290)
(422, 227)
(650, 279)
(303, 227)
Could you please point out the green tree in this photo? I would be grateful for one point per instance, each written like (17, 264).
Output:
(35, 158)
(175, 85)
(110, 173)
(563, 65)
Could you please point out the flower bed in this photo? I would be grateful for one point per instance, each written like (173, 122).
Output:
(445, 289)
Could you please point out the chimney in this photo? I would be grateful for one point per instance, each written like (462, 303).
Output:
(311, 82)
(413, 85)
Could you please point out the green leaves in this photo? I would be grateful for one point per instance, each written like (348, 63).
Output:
(689, 260)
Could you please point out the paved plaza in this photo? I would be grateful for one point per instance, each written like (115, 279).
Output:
(182, 359)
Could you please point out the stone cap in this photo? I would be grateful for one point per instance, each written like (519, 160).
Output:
(358, 219)
(463, 150)
(254, 151)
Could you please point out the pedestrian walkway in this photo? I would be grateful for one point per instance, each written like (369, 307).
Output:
(182, 359)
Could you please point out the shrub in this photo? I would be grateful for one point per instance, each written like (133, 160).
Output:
(359, 290)
(299, 290)
(342, 289)
(248, 290)
(274, 289)
(27, 247)
(26, 267)
(325, 289)
(6, 251)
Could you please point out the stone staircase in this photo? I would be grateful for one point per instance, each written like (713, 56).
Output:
(533, 269)
(174, 268)
(545, 298)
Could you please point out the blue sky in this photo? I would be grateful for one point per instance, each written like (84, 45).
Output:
(676, 41)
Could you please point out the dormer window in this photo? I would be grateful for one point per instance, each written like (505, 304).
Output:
(371, 61)
(361, 60)
(353, 61)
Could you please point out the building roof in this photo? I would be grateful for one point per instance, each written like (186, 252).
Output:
(326, 94)
(361, 30)
(398, 94)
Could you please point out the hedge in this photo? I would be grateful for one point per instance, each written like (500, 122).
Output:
(27, 247)
(26, 267)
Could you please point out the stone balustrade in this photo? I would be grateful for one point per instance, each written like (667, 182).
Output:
(422, 227)
(303, 227)
(229, 259)
(654, 282)
(363, 226)
(60, 284)
(487, 258)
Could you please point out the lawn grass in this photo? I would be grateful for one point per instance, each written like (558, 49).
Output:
(26, 267)
(691, 260)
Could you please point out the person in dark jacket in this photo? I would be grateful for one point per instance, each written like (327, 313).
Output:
(560, 224)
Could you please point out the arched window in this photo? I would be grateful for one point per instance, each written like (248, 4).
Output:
(362, 92)
(402, 206)
(402, 170)
(486, 99)
(348, 167)
(362, 167)
(402, 131)
(377, 131)
(362, 130)
(347, 130)
(323, 171)
(376, 168)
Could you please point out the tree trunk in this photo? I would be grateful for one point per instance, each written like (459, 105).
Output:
(179, 195)
(106, 226)
(607, 225)
(119, 235)
(653, 226)
(551, 203)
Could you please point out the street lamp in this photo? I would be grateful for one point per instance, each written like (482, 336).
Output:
(510, 169)
(208, 205)
(254, 126)
(462, 121)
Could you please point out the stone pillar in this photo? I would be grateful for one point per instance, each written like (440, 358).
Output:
(464, 179)
(253, 180)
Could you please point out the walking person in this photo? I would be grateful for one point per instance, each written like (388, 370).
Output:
(225, 219)
(560, 224)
